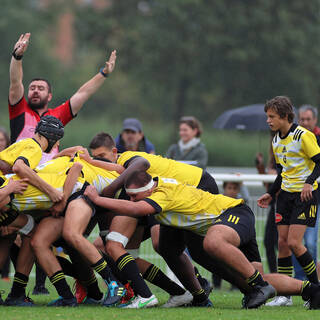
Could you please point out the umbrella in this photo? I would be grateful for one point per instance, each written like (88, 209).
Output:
(250, 118)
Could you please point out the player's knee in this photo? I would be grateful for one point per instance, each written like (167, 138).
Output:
(210, 245)
(294, 244)
(114, 242)
(38, 243)
(283, 243)
(70, 236)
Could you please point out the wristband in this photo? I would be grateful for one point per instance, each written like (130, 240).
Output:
(15, 55)
(103, 73)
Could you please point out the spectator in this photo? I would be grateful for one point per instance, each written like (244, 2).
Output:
(25, 113)
(189, 148)
(236, 190)
(308, 118)
(132, 138)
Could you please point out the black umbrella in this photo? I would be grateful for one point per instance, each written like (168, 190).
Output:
(249, 118)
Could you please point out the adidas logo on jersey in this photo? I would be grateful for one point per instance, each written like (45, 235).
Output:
(302, 216)
(284, 149)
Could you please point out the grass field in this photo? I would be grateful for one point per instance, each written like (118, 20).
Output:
(227, 305)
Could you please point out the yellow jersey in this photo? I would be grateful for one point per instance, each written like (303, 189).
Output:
(33, 198)
(164, 167)
(294, 152)
(186, 207)
(98, 177)
(28, 150)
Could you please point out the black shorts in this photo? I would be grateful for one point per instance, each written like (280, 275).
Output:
(80, 194)
(242, 220)
(291, 210)
(207, 183)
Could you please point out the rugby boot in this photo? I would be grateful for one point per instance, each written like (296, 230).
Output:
(260, 295)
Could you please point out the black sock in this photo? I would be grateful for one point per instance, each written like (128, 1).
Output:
(20, 282)
(306, 290)
(256, 280)
(128, 267)
(199, 296)
(67, 267)
(102, 268)
(198, 275)
(92, 287)
(308, 266)
(115, 271)
(14, 252)
(285, 266)
(60, 283)
(154, 275)
(40, 276)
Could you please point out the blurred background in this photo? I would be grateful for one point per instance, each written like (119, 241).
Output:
(175, 58)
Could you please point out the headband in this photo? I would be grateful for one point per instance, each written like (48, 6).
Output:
(141, 189)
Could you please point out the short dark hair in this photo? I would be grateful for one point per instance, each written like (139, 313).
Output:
(193, 123)
(225, 183)
(282, 105)
(139, 178)
(102, 139)
(45, 80)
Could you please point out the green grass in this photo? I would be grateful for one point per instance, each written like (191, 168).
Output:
(227, 305)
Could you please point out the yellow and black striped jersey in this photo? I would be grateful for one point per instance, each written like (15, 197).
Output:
(186, 207)
(294, 152)
(28, 150)
(33, 198)
(98, 177)
(164, 167)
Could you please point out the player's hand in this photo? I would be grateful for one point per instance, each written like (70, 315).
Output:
(7, 230)
(84, 154)
(264, 200)
(22, 44)
(55, 195)
(91, 193)
(110, 64)
(306, 193)
(58, 208)
(17, 186)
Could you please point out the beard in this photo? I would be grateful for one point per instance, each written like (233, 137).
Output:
(38, 105)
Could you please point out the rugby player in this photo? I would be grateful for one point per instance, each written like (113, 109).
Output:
(226, 224)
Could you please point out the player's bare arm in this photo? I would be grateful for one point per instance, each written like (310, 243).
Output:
(16, 88)
(90, 87)
(72, 177)
(137, 164)
(122, 207)
(69, 152)
(24, 171)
